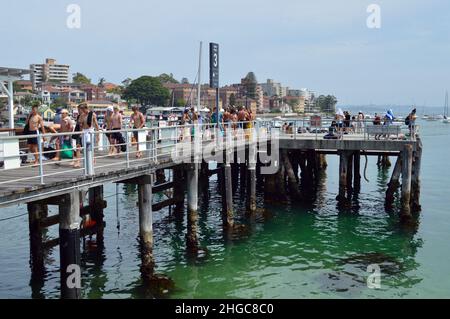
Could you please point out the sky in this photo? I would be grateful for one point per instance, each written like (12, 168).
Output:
(322, 45)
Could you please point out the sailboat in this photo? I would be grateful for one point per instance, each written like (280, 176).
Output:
(446, 118)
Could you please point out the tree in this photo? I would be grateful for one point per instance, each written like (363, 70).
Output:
(146, 90)
(180, 103)
(250, 83)
(167, 78)
(80, 78)
(184, 81)
(232, 99)
(326, 104)
(58, 102)
(293, 103)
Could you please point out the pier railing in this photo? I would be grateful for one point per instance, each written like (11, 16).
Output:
(116, 149)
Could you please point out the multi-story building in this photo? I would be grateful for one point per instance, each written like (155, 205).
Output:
(49, 72)
(272, 88)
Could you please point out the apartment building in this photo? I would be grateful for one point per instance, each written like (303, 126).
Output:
(50, 71)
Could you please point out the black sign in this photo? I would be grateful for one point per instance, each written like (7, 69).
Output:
(214, 65)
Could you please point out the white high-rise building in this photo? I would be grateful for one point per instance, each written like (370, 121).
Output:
(49, 72)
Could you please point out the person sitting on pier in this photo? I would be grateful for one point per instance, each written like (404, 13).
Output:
(137, 121)
(35, 123)
(332, 132)
(64, 141)
(339, 117)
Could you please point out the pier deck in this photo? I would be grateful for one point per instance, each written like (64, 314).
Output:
(23, 184)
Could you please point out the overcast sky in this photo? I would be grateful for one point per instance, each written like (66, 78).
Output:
(323, 45)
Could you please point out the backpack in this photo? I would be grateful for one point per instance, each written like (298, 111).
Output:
(407, 121)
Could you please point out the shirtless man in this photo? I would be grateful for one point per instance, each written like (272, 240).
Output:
(35, 123)
(116, 124)
(137, 121)
(87, 121)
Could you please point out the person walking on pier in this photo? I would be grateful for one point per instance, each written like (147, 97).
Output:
(35, 123)
(137, 121)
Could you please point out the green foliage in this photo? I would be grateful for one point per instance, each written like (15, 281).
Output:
(58, 102)
(232, 99)
(326, 104)
(180, 103)
(146, 90)
(167, 78)
(81, 78)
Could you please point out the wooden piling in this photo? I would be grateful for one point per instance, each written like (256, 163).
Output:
(406, 182)
(343, 169)
(96, 213)
(357, 171)
(192, 203)
(292, 180)
(178, 191)
(145, 198)
(37, 211)
(228, 214)
(69, 245)
(349, 185)
(415, 178)
(394, 182)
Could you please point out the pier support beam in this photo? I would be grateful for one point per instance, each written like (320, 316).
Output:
(343, 171)
(292, 180)
(178, 191)
(145, 198)
(415, 178)
(95, 203)
(252, 159)
(406, 182)
(228, 214)
(349, 174)
(357, 171)
(252, 187)
(394, 182)
(69, 245)
(36, 212)
(192, 203)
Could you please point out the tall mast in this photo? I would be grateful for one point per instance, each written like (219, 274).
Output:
(199, 76)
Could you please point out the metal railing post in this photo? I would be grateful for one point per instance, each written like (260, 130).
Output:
(41, 167)
(88, 142)
(127, 147)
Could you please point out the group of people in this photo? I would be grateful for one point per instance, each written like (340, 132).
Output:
(229, 118)
(84, 129)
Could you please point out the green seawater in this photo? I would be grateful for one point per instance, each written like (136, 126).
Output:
(291, 250)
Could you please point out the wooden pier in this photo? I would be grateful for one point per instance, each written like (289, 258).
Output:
(295, 160)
